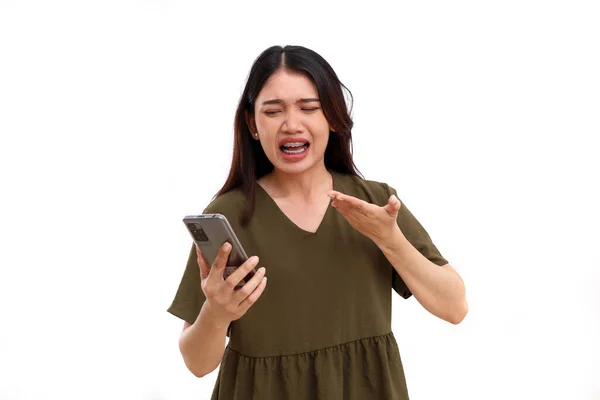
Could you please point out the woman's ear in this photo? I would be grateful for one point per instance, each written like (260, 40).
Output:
(250, 122)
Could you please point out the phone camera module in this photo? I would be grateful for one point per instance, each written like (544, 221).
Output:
(197, 232)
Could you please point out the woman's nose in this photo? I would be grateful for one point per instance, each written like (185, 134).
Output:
(291, 122)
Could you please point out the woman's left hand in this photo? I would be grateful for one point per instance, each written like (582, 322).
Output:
(373, 221)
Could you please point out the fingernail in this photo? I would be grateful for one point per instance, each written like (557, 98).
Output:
(254, 260)
(226, 247)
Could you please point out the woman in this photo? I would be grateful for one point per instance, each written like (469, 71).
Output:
(334, 245)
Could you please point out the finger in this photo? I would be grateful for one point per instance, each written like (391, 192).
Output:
(218, 266)
(351, 200)
(237, 275)
(393, 206)
(356, 208)
(252, 297)
(249, 287)
(340, 206)
(204, 268)
(333, 194)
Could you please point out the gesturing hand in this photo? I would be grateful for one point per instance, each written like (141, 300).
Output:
(371, 220)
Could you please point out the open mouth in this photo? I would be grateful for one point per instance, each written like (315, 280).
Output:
(294, 147)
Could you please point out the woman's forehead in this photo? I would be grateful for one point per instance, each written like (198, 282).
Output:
(288, 87)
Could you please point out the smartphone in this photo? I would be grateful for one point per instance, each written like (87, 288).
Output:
(210, 232)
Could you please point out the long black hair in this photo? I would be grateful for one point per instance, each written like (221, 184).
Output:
(249, 161)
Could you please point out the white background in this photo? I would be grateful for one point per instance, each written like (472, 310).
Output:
(117, 119)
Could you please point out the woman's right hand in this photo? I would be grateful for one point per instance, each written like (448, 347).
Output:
(222, 300)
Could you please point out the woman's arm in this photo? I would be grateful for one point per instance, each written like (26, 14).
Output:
(202, 344)
(440, 290)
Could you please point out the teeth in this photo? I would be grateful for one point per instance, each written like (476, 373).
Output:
(302, 150)
(294, 144)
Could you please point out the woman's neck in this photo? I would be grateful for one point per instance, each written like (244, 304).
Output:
(303, 186)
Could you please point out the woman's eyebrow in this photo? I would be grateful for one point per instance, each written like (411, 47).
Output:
(279, 101)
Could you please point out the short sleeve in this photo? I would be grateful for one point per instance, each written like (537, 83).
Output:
(419, 238)
(189, 297)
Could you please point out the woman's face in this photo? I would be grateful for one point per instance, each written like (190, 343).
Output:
(288, 110)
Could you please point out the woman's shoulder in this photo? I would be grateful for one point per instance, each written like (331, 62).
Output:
(228, 203)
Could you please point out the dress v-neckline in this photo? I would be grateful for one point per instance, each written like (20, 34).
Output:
(280, 212)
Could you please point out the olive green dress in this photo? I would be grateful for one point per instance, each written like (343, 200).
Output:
(322, 327)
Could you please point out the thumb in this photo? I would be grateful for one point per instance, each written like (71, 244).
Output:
(393, 206)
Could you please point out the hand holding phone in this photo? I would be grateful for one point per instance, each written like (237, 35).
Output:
(223, 301)
(228, 278)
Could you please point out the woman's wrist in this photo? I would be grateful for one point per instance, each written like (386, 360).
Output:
(212, 318)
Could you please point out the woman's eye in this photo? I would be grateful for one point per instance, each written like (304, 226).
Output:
(273, 112)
